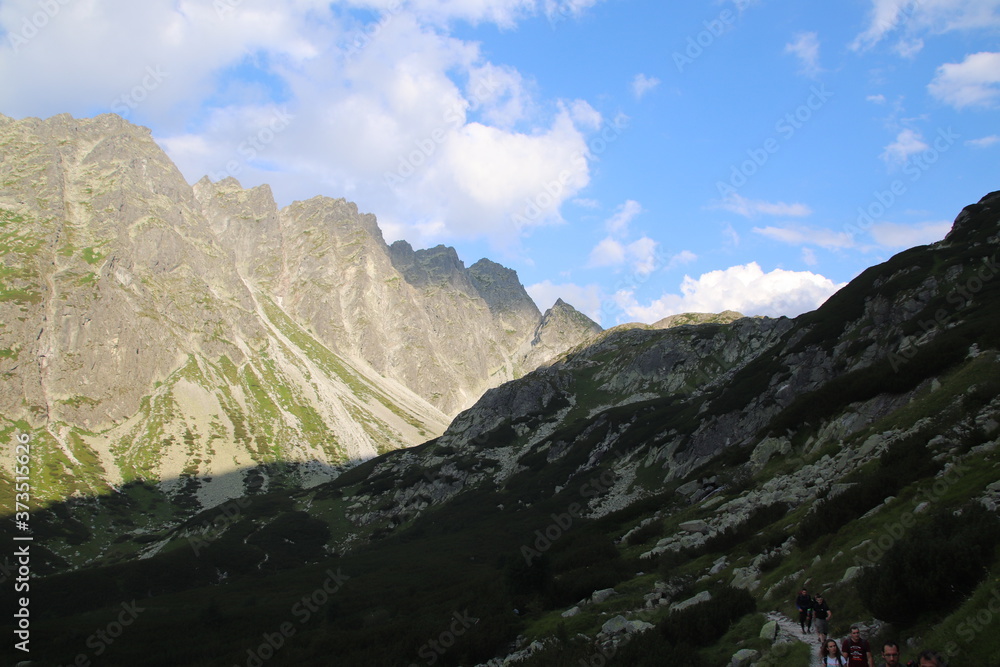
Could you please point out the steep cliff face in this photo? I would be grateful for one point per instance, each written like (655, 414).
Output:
(419, 317)
(561, 328)
(157, 330)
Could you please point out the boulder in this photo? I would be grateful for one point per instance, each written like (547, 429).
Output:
(696, 526)
(600, 596)
(744, 657)
(745, 577)
(769, 631)
(621, 625)
(640, 626)
(690, 488)
(571, 612)
(704, 596)
(616, 625)
(767, 448)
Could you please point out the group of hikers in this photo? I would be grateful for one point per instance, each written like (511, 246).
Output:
(854, 651)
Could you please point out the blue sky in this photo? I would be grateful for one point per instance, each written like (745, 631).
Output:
(635, 158)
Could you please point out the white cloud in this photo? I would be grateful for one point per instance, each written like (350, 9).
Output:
(585, 298)
(680, 259)
(471, 150)
(806, 49)
(876, 99)
(809, 257)
(974, 82)
(798, 235)
(908, 142)
(499, 94)
(911, 18)
(909, 48)
(556, 9)
(893, 235)
(731, 236)
(608, 252)
(983, 142)
(751, 208)
(642, 84)
(641, 255)
(744, 288)
(584, 115)
(618, 223)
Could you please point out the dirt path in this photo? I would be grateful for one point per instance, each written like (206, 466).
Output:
(789, 631)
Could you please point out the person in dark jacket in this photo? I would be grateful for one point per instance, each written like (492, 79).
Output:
(804, 603)
(821, 618)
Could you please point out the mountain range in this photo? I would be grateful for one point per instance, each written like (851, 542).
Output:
(158, 331)
(644, 495)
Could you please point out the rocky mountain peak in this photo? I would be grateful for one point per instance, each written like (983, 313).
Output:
(561, 328)
(976, 220)
(338, 215)
(430, 266)
(175, 332)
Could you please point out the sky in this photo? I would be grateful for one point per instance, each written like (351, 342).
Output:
(636, 158)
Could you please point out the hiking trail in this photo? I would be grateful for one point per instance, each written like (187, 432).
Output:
(789, 631)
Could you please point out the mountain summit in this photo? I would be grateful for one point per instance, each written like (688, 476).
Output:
(159, 330)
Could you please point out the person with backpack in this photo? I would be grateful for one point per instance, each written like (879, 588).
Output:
(821, 614)
(830, 655)
(857, 650)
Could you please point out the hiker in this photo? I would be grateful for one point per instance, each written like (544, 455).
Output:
(804, 603)
(857, 650)
(890, 653)
(930, 659)
(821, 615)
(830, 655)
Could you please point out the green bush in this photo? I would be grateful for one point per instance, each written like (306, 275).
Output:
(645, 534)
(932, 567)
(900, 465)
(703, 624)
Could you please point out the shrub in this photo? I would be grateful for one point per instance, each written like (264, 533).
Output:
(931, 568)
(645, 534)
(900, 465)
(703, 624)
